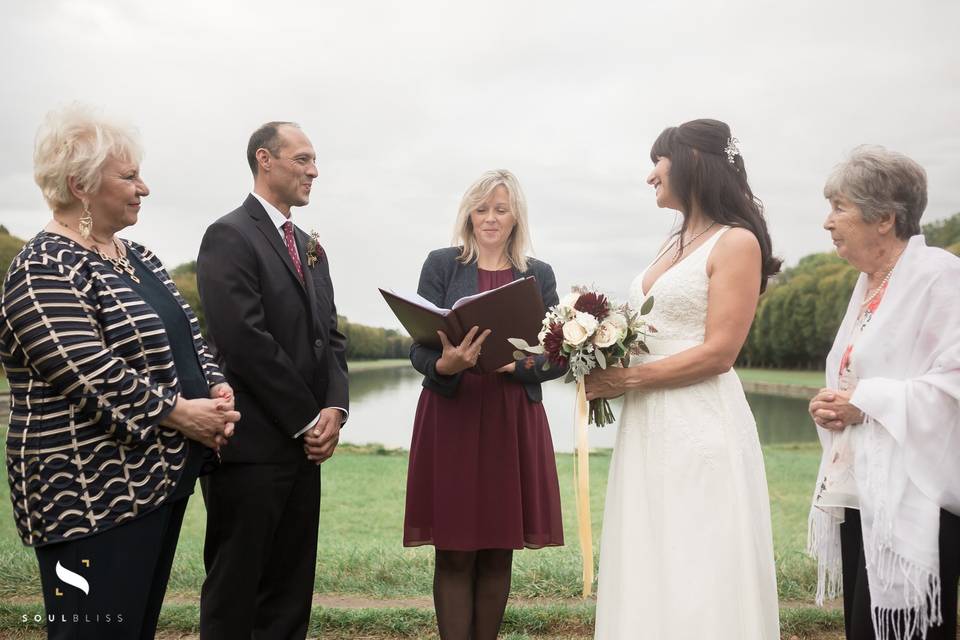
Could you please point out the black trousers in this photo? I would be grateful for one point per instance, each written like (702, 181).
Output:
(125, 570)
(260, 550)
(856, 594)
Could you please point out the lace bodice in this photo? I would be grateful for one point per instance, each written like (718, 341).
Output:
(680, 296)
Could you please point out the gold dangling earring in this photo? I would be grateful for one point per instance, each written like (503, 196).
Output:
(86, 222)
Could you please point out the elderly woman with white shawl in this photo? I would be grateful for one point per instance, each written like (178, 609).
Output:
(884, 521)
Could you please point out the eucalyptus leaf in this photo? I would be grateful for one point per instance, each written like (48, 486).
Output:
(647, 306)
(643, 347)
(519, 343)
(537, 349)
(601, 359)
(546, 366)
(519, 355)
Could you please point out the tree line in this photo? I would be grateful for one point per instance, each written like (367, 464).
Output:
(799, 315)
(363, 342)
(797, 318)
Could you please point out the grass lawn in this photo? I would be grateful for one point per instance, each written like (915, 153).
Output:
(783, 376)
(360, 553)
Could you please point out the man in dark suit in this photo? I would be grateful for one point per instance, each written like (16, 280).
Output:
(266, 292)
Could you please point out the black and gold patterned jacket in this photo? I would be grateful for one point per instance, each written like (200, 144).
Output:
(91, 379)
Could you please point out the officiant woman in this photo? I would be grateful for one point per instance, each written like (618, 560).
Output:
(887, 501)
(482, 479)
(116, 403)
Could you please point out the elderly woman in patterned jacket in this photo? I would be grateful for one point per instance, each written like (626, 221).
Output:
(116, 403)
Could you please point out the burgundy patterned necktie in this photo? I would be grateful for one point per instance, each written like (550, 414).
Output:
(292, 247)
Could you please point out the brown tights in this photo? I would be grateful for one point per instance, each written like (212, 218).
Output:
(470, 590)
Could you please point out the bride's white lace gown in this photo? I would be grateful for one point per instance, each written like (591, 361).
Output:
(687, 548)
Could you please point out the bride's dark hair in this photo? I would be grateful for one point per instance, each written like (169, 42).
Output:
(701, 172)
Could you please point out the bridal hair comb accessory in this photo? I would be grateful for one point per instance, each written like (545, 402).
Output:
(731, 149)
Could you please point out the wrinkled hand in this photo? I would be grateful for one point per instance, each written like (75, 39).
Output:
(204, 420)
(463, 356)
(224, 392)
(320, 440)
(831, 409)
(605, 383)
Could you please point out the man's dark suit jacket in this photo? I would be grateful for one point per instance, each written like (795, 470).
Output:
(443, 281)
(276, 340)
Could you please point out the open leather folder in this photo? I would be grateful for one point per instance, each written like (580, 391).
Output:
(514, 310)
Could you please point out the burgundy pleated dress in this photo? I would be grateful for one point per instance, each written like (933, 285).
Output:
(482, 471)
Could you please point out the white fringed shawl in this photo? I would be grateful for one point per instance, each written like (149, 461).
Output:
(907, 453)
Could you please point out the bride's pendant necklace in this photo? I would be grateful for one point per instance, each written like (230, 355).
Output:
(683, 245)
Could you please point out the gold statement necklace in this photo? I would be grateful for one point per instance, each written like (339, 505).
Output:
(121, 264)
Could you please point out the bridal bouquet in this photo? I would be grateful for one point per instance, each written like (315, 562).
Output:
(586, 330)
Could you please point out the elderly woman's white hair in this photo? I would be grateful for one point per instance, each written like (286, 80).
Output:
(882, 182)
(76, 141)
(518, 245)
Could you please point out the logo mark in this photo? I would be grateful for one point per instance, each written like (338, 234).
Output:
(73, 579)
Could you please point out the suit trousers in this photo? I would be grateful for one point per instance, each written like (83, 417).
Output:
(126, 570)
(856, 592)
(260, 550)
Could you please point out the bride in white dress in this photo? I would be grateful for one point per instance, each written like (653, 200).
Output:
(687, 548)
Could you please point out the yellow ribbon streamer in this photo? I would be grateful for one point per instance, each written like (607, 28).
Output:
(581, 488)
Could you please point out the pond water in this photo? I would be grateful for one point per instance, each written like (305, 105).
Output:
(383, 403)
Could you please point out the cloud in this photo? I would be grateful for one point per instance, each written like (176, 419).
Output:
(407, 103)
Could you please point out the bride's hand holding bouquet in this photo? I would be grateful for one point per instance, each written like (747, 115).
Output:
(594, 337)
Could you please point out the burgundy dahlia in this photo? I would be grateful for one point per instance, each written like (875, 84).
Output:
(553, 344)
(593, 303)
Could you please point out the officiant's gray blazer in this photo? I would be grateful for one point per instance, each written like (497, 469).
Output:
(443, 281)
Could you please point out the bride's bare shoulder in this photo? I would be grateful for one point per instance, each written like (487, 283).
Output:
(737, 248)
(737, 240)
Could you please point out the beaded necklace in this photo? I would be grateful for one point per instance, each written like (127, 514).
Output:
(883, 283)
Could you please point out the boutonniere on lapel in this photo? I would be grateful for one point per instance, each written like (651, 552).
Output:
(314, 250)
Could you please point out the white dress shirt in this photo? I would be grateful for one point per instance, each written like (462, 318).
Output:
(278, 220)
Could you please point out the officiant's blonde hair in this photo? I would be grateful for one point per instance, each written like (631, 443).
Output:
(518, 245)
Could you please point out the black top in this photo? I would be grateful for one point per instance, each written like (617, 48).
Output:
(74, 340)
(193, 383)
(443, 281)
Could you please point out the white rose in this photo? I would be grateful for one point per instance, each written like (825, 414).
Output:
(567, 301)
(570, 299)
(574, 333)
(617, 320)
(587, 321)
(607, 334)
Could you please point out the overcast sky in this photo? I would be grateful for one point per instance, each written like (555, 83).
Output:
(408, 102)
